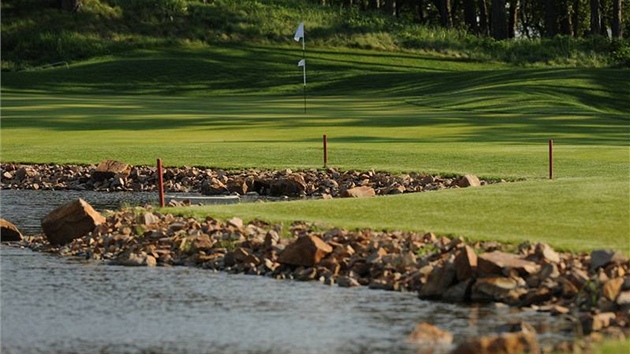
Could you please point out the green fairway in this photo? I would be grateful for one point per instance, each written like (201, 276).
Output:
(242, 107)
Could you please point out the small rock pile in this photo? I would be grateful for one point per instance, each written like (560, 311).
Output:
(111, 175)
(594, 289)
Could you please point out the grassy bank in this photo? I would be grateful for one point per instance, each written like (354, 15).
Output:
(241, 107)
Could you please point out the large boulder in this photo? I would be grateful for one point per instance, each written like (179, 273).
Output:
(305, 251)
(292, 185)
(69, 221)
(501, 263)
(109, 169)
(9, 232)
(359, 192)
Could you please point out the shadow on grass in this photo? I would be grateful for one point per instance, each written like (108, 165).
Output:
(585, 106)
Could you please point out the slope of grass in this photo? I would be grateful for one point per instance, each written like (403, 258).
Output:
(238, 107)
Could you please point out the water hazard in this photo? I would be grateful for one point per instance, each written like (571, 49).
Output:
(59, 305)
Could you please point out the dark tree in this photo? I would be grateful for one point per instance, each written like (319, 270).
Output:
(498, 25)
(483, 18)
(444, 9)
(470, 16)
(616, 19)
(596, 18)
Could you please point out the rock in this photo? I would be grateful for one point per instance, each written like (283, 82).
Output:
(438, 281)
(493, 288)
(149, 219)
(131, 259)
(523, 340)
(305, 251)
(345, 281)
(601, 258)
(612, 288)
(197, 243)
(109, 169)
(468, 181)
(235, 222)
(465, 263)
(359, 192)
(9, 232)
(459, 292)
(597, 322)
(69, 221)
(293, 185)
(213, 187)
(427, 334)
(623, 299)
(544, 252)
(238, 185)
(500, 263)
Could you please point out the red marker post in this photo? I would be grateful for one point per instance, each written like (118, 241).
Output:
(325, 141)
(550, 158)
(160, 182)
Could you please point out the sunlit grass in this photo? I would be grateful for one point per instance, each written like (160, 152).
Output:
(383, 111)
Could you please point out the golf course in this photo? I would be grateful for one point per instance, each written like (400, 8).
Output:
(241, 107)
(239, 103)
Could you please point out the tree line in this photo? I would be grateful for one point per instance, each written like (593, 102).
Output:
(503, 19)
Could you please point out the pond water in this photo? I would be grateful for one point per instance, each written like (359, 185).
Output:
(60, 305)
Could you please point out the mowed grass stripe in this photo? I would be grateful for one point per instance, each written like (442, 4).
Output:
(241, 107)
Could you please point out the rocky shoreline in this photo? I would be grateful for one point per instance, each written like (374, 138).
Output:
(592, 289)
(111, 176)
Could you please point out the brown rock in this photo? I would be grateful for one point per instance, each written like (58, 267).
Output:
(438, 281)
(69, 221)
(601, 258)
(459, 292)
(465, 263)
(237, 185)
(623, 299)
(500, 263)
(522, 341)
(612, 288)
(292, 185)
(9, 232)
(427, 334)
(545, 252)
(235, 222)
(305, 251)
(345, 281)
(597, 322)
(468, 181)
(109, 168)
(359, 192)
(198, 243)
(493, 288)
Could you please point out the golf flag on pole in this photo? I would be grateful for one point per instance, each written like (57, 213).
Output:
(302, 63)
(299, 34)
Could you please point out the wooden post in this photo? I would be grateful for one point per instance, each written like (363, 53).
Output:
(325, 140)
(550, 158)
(160, 182)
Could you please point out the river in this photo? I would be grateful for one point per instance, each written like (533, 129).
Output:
(60, 305)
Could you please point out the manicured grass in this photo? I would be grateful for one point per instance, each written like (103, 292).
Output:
(240, 107)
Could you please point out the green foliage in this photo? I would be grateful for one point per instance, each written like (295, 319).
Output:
(35, 35)
(620, 53)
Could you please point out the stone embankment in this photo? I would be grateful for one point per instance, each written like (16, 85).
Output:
(117, 176)
(591, 289)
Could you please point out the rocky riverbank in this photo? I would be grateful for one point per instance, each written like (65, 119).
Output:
(112, 175)
(592, 290)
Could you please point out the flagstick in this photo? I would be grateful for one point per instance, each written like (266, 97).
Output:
(304, 68)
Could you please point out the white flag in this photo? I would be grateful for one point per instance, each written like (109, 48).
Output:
(302, 62)
(299, 33)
